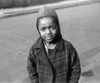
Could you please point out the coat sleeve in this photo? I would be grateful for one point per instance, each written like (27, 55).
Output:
(75, 69)
(31, 68)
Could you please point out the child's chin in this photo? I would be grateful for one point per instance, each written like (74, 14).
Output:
(49, 40)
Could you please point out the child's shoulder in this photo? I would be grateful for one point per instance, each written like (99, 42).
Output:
(68, 44)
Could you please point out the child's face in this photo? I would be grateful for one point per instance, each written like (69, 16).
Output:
(47, 28)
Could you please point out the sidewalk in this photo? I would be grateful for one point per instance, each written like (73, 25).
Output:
(26, 10)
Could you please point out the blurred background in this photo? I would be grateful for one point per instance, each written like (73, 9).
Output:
(24, 3)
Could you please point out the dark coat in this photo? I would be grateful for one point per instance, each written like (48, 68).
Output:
(63, 66)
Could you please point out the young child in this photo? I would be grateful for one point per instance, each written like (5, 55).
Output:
(52, 59)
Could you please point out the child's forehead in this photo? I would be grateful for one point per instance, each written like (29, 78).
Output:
(47, 19)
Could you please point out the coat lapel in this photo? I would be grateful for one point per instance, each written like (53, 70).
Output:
(41, 54)
(43, 57)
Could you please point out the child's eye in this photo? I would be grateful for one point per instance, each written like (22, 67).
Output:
(43, 29)
(53, 27)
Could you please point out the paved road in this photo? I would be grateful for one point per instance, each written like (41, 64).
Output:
(79, 24)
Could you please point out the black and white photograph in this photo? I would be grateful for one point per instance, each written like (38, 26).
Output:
(49, 41)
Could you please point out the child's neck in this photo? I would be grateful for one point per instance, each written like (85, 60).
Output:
(50, 45)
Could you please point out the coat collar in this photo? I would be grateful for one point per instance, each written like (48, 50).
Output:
(39, 44)
(60, 45)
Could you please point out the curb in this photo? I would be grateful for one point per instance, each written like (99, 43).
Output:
(29, 10)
